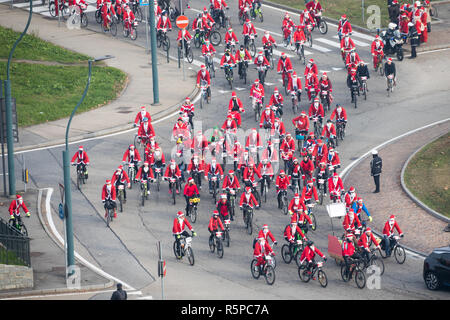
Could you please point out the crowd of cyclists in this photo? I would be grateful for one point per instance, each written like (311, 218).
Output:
(302, 164)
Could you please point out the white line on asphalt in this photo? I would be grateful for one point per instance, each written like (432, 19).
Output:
(357, 42)
(26, 4)
(79, 257)
(431, 51)
(145, 298)
(329, 42)
(319, 48)
(276, 52)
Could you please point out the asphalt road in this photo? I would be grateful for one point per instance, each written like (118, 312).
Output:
(127, 250)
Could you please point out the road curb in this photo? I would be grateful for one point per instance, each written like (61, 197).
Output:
(409, 193)
(380, 147)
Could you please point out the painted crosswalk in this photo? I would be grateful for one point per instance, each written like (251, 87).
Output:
(356, 42)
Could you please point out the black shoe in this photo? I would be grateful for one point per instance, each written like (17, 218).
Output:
(232, 219)
(376, 191)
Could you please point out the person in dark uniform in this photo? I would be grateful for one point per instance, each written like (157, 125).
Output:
(414, 39)
(119, 294)
(375, 169)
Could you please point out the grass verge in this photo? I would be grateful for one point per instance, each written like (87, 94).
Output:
(10, 258)
(46, 93)
(33, 48)
(427, 175)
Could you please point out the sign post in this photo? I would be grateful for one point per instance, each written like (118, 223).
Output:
(144, 3)
(182, 22)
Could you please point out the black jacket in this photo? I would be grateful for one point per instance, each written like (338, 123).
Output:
(389, 69)
(119, 295)
(350, 82)
(375, 166)
(363, 71)
(413, 36)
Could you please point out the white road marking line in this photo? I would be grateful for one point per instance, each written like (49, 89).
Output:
(329, 42)
(363, 36)
(319, 48)
(26, 4)
(431, 51)
(276, 52)
(78, 256)
(145, 298)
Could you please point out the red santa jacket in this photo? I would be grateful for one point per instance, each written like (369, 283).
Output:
(128, 155)
(348, 248)
(246, 56)
(268, 41)
(199, 167)
(205, 77)
(269, 234)
(175, 172)
(109, 194)
(179, 225)
(141, 172)
(261, 251)
(214, 171)
(231, 37)
(215, 224)
(284, 65)
(339, 115)
(265, 169)
(377, 47)
(349, 223)
(227, 60)
(14, 208)
(80, 157)
(267, 118)
(247, 30)
(164, 23)
(347, 44)
(250, 175)
(333, 160)
(141, 115)
(283, 183)
(308, 254)
(146, 130)
(252, 141)
(208, 49)
(294, 84)
(288, 146)
(313, 68)
(278, 128)
(259, 89)
(325, 85)
(364, 240)
(230, 183)
(307, 167)
(184, 34)
(344, 27)
(327, 132)
(316, 112)
(296, 207)
(290, 233)
(335, 188)
(320, 152)
(190, 190)
(123, 177)
(308, 193)
(388, 229)
(301, 123)
(249, 200)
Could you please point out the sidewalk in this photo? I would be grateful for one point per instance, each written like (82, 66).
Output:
(438, 37)
(423, 232)
(47, 259)
(130, 58)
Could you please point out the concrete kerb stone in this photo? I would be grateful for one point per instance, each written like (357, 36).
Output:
(409, 193)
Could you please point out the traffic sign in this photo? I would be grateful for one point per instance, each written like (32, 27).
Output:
(61, 211)
(182, 22)
(143, 3)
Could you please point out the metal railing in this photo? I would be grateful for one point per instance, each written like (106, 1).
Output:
(14, 247)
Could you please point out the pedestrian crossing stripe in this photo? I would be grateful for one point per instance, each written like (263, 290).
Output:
(276, 52)
(320, 48)
(358, 43)
(329, 42)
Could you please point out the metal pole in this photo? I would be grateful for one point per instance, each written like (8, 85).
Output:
(9, 131)
(151, 9)
(147, 48)
(2, 139)
(362, 4)
(162, 278)
(67, 191)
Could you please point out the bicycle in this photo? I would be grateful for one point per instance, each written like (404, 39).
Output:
(214, 187)
(321, 189)
(257, 13)
(360, 277)
(158, 174)
(300, 137)
(136, 8)
(209, 63)
(308, 35)
(261, 73)
(325, 100)
(364, 87)
(120, 196)
(295, 98)
(226, 232)
(18, 224)
(231, 196)
(300, 50)
(132, 170)
(379, 67)
(284, 202)
(244, 71)
(285, 80)
(355, 93)
(192, 209)
(244, 16)
(305, 275)
(372, 260)
(131, 30)
(109, 214)
(216, 243)
(248, 218)
(257, 105)
(293, 250)
(144, 191)
(250, 45)
(312, 216)
(184, 250)
(162, 39)
(81, 174)
(112, 28)
(63, 8)
(181, 54)
(229, 74)
(268, 271)
(340, 130)
(79, 16)
(98, 15)
(321, 23)
(317, 126)
(268, 53)
(204, 94)
(396, 248)
(173, 188)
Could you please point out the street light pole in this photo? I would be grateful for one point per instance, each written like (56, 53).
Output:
(8, 112)
(66, 168)
(151, 15)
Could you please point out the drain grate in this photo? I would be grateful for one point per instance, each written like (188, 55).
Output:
(36, 254)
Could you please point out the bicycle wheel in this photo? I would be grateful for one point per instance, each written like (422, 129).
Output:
(113, 28)
(133, 34)
(190, 55)
(375, 261)
(321, 195)
(314, 222)
(360, 278)
(254, 269)
(400, 54)
(227, 238)
(286, 253)
(121, 201)
(365, 91)
(215, 38)
(310, 40)
(108, 217)
(345, 275)
(355, 99)
(175, 251)
(84, 20)
(212, 245)
(304, 274)
(265, 192)
(193, 214)
(142, 194)
(98, 16)
(197, 43)
(322, 277)
(249, 223)
(298, 255)
(52, 8)
(284, 205)
(323, 27)
(190, 255)
(381, 70)
(78, 181)
(138, 14)
(252, 48)
(173, 194)
(270, 275)
(400, 254)
(434, 12)
(219, 249)
(166, 44)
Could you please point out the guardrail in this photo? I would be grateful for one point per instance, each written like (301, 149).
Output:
(14, 247)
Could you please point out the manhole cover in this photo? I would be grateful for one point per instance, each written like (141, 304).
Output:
(36, 254)
(124, 111)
